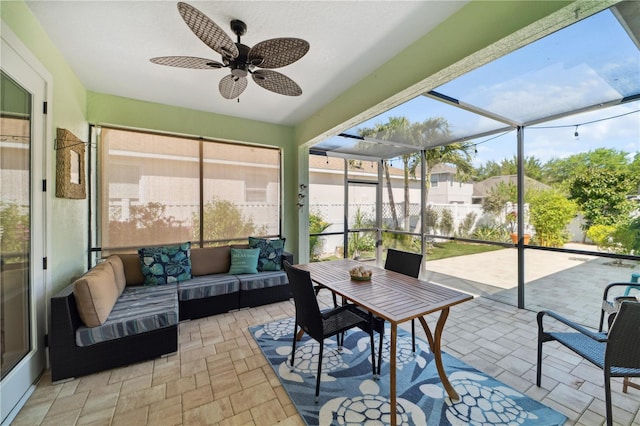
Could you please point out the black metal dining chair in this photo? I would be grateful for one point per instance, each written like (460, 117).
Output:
(409, 264)
(319, 324)
(617, 352)
(404, 263)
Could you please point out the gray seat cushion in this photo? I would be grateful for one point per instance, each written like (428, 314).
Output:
(262, 280)
(138, 309)
(207, 286)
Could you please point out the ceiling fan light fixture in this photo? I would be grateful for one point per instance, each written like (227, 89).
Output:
(239, 72)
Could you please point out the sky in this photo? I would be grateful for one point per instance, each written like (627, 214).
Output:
(589, 63)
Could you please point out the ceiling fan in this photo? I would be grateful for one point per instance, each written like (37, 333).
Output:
(242, 60)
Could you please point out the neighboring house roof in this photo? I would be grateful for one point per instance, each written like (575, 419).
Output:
(481, 189)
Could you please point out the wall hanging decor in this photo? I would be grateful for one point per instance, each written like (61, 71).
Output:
(70, 175)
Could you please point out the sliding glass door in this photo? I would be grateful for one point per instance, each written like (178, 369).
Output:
(22, 284)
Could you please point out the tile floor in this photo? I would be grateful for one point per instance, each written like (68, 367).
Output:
(219, 376)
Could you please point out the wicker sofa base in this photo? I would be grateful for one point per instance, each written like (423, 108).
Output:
(69, 360)
(200, 308)
(263, 296)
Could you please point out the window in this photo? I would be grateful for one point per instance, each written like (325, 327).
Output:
(434, 181)
(159, 189)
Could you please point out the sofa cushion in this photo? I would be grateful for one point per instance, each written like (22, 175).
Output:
(207, 286)
(138, 310)
(118, 272)
(166, 264)
(96, 293)
(262, 280)
(210, 260)
(132, 268)
(244, 261)
(270, 258)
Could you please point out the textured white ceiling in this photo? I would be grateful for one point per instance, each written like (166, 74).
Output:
(108, 44)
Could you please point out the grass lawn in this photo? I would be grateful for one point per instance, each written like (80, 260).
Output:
(454, 248)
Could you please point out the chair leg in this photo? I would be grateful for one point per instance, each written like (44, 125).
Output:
(373, 356)
(293, 349)
(539, 365)
(607, 395)
(319, 370)
(381, 335)
(413, 334)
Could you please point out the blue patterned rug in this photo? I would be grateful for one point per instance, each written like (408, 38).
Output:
(349, 395)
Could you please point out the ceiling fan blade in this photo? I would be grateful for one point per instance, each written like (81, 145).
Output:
(208, 31)
(276, 82)
(187, 62)
(277, 52)
(231, 87)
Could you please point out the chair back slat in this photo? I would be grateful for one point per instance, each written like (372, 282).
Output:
(403, 262)
(308, 313)
(623, 349)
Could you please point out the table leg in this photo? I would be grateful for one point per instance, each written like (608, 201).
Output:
(435, 342)
(392, 371)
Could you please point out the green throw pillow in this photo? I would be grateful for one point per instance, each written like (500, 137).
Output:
(165, 265)
(244, 261)
(270, 253)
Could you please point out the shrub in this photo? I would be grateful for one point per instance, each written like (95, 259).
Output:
(464, 228)
(551, 212)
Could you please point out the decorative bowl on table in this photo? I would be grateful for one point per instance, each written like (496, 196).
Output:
(359, 273)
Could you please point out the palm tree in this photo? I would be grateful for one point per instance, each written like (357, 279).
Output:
(423, 134)
(397, 129)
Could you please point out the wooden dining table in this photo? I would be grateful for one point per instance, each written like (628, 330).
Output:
(396, 298)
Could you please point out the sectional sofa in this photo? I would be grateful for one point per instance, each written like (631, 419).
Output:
(112, 317)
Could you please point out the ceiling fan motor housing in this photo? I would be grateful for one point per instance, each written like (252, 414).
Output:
(239, 66)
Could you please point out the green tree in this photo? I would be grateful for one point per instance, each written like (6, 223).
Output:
(397, 129)
(601, 194)
(430, 218)
(634, 170)
(498, 196)
(622, 238)
(562, 171)
(466, 225)
(359, 242)
(446, 222)
(550, 213)
(147, 224)
(14, 222)
(429, 132)
(223, 220)
(533, 168)
(317, 225)
(628, 234)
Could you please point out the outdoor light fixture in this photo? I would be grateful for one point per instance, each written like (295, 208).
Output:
(576, 132)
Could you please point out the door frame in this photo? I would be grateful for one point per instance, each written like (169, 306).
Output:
(378, 220)
(23, 67)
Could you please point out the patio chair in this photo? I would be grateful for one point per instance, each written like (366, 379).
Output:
(319, 325)
(407, 264)
(610, 302)
(404, 263)
(616, 353)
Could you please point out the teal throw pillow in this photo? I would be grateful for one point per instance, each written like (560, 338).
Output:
(244, 261)
(165, 265)
(270, 253)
